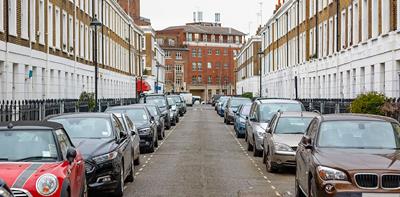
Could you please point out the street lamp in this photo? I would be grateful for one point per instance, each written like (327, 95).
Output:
(95, 24)
(157, 66)
(260, 53)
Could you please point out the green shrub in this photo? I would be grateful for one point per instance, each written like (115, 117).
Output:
(369, 103)
(87, 98)
(248, 95)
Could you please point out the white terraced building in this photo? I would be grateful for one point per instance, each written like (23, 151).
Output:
(46, 49)
(333, 48)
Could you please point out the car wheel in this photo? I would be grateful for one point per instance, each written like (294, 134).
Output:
(168, 126)
(151, 148)
(256, 152)
(312, 188)
(245, 136)
(249, 146)
(297, 191)
(264, 157)
(269, 164)
(131, 176)
(137, 161)
(119, 191)
(160, 135)
(156, 142)
(177, 119)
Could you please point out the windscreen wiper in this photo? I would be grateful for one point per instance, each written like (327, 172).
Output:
(36, 158)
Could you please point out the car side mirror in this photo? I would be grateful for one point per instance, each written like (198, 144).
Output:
(306, 142)
(268, 130)
(71, 155)
(122, 136)
(253, 119)
(133, 132)
(152, 119)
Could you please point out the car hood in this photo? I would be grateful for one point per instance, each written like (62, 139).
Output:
(93, 147)
(261, 125)
(358, 159)
(11, 171)
(291, 140)
(142, 125)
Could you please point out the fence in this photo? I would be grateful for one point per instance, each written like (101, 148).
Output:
(327, 106)
(30, 110)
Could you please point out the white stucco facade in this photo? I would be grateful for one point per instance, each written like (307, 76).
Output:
(251, 84)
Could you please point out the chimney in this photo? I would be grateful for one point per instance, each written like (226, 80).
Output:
(217, 17)
(200, 16)
(194, 16)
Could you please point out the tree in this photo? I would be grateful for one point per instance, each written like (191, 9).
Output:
(369, 103)
(87, 98)
(248, 95)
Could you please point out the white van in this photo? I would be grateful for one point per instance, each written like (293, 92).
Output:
(188, 98)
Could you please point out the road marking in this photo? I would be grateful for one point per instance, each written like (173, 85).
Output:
(277, 193)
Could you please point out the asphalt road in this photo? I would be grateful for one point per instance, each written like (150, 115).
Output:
(202, 157)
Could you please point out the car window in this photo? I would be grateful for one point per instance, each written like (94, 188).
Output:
(63, 141)
(245, 110)
(152, 110)
(311, 127)
(118, 126)
(130, 124)
(237, 102)
(292, 125)
(138, 115)
(86, 127)
(358, 135)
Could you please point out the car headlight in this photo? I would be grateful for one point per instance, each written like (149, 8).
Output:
(326, 174)
(47, 184)
(105, 157)
(145, 131)
(4, 193)
(282, 147)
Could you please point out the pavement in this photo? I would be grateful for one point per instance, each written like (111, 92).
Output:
(202, 157)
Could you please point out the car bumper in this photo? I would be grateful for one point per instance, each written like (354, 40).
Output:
(258, 143)
(146, 140)
(284, 158)
(230, 118)
(104, 177)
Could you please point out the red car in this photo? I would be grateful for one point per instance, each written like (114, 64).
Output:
(38, 159)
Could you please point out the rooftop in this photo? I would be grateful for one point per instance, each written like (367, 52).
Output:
(203, 28)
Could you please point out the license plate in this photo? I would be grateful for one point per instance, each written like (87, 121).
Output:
(379, 195)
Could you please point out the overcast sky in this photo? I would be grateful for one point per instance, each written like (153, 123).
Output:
(239, 14)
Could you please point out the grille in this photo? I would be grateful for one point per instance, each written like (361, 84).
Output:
(20, 193)
(391, 181)
(367, 181)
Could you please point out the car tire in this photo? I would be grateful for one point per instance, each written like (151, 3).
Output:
(156, 142)
(131, 176)
(256, 152)
(249, 146)
(160, 136)
(119, 190)
(177, 119)
(168, 126)
(137, 161)
(264, 157)
(151, 148)
(271, 167)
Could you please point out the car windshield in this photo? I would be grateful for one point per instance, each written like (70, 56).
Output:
(171, 101)
(267, 110)
(223, 99)
(359, 135)
(235, 103)
(245, 110)
(159, 101)
(26, 145)
(292, 125)
(177, 99)
(86, 127)
(152, 110)
(137, 115)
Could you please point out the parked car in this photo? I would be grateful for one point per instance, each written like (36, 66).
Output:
(220, 102)
(196, 100)
(231, 108)
(35, 157)
(105, 146)
(161, 101)
(5, 190)
(179, 103)
(260, 115)
(174, 113)
(240, 119)
(282, 138)
(221, 109)
(188, 97)
(158, 118)
(349, 154)
(214, 99)
(144, 122)
(130, 128)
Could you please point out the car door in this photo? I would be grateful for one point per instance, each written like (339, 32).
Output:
(249, 122)
(124, 145)
(303, 158)
(269, 138)
(75, 172)
(135, 136)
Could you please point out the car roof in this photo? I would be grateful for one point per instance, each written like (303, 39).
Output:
(239, 98)
(134, 106)
(31, 125)
(149, 95)
(277, 101)
(80, 115)
(299, 114)
(356, 117)
(146, 105)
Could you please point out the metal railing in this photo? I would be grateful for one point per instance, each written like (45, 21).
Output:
(31, 110)
(327, 106)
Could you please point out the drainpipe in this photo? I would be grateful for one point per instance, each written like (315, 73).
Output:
(316, 29)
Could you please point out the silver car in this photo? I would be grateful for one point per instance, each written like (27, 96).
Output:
(282, 138)
(260, 115)
(133, 133)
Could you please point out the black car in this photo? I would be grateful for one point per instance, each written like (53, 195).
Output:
(144, 123)
(161, 101)
(5, 190)
(158, 118)
(105, 146)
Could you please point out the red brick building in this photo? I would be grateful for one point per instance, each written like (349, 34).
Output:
(210, 50)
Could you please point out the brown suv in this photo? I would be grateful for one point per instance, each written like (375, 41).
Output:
(349, 155)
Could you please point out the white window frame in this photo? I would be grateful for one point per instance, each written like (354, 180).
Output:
(64, 22)
(41, 22)
(58, 28)
(50, 25)
(24, 19)
(12, 20)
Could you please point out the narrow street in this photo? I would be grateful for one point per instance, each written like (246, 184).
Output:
(202, 157)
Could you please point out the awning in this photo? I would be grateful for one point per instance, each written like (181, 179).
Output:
(142, 86)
